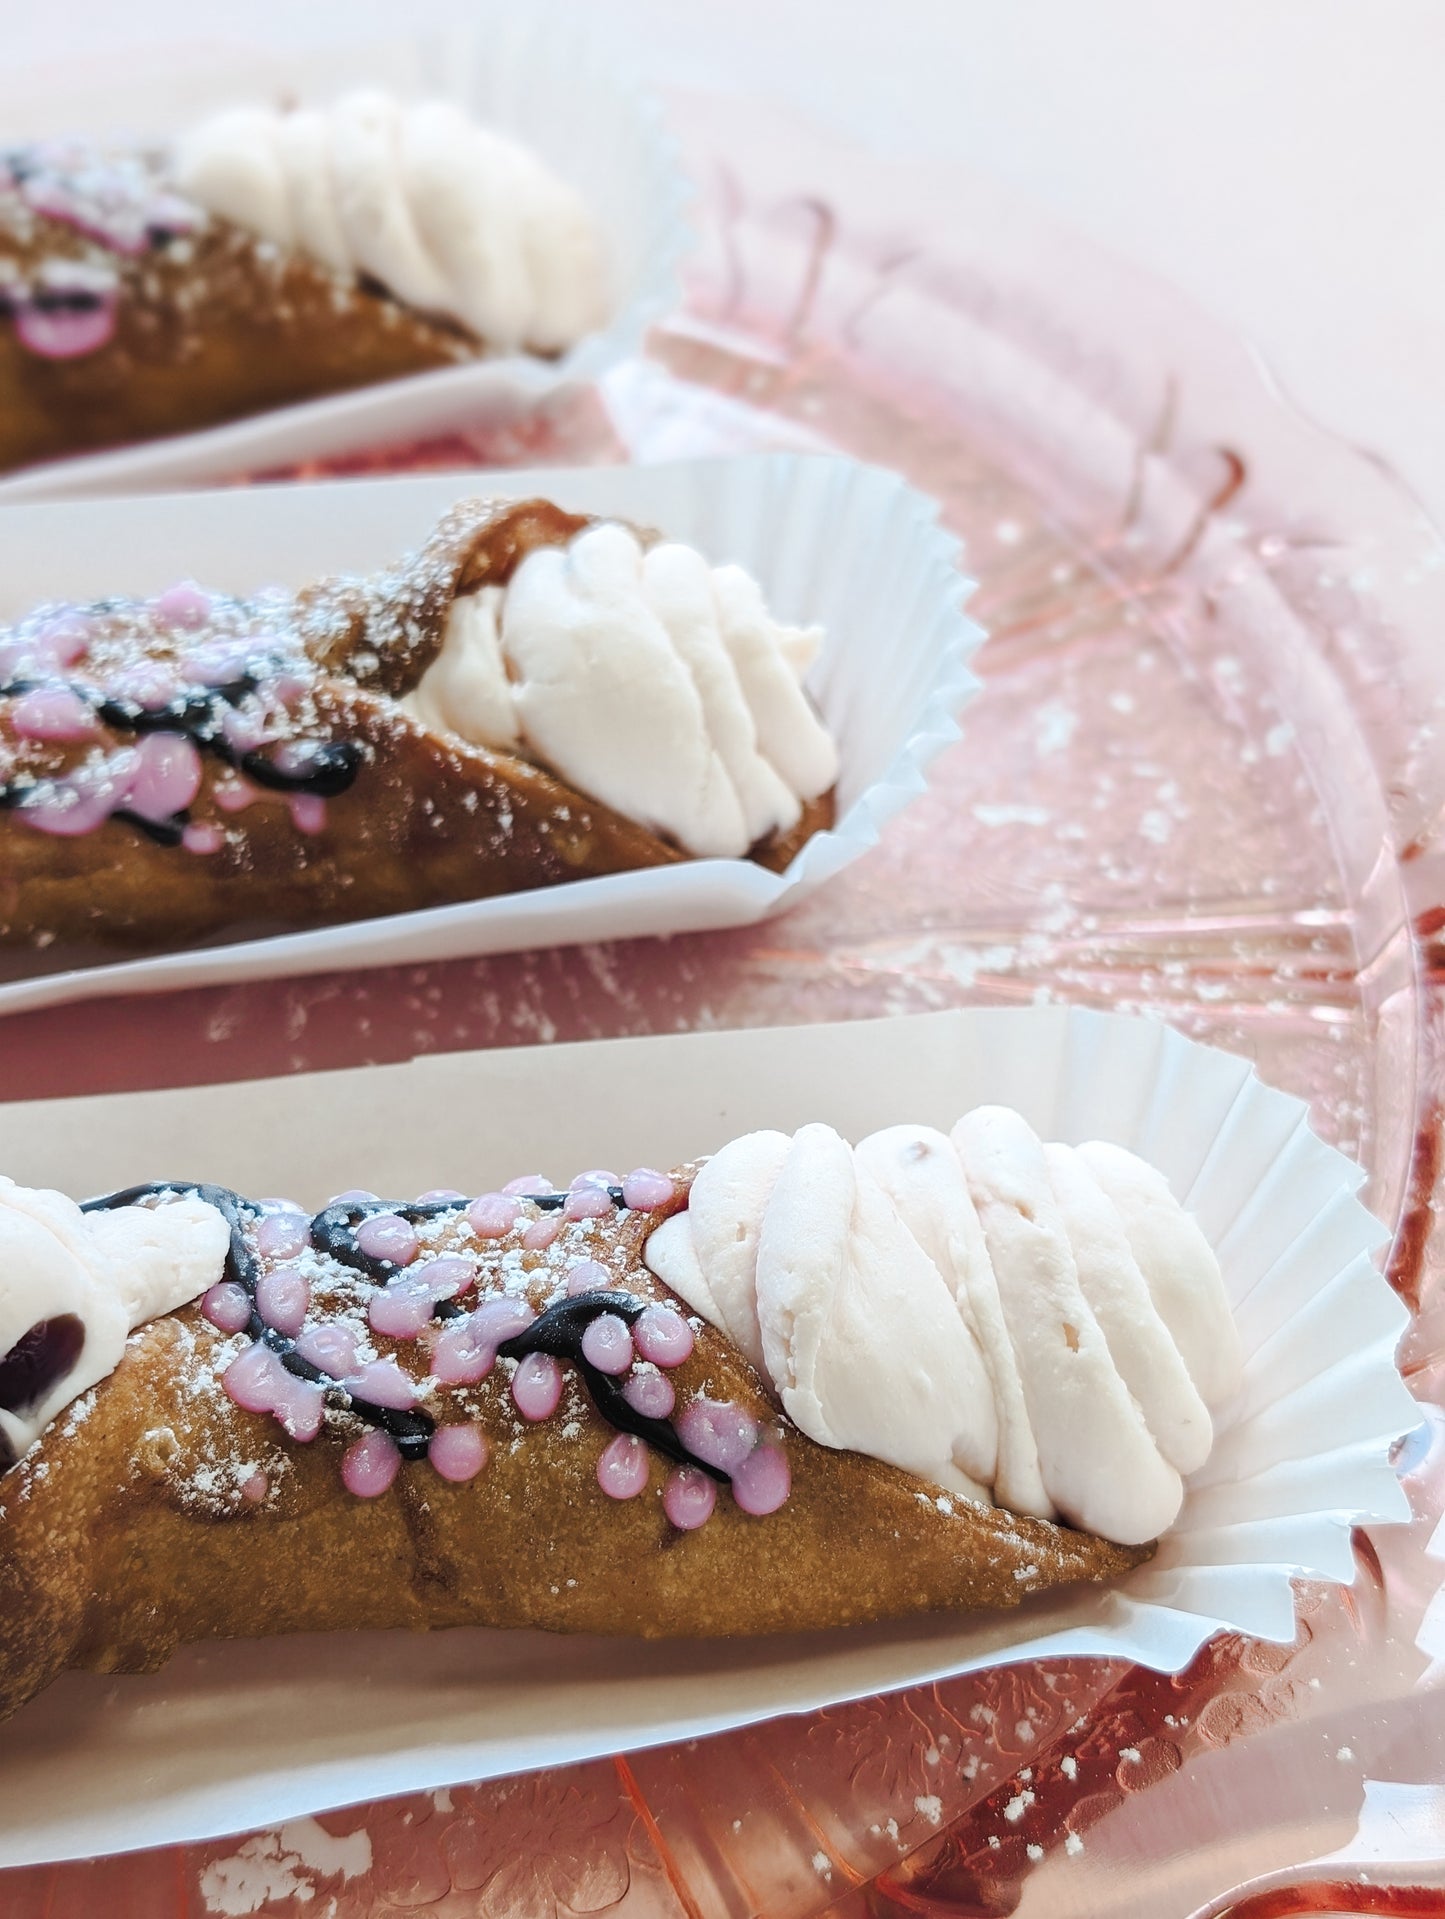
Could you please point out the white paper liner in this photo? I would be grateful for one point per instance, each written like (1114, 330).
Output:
(230, 1737)
(830, 540)
(544, 72)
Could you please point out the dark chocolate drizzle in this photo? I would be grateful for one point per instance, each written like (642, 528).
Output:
(553, 1202)
(558, 1331)
(410, 1430)
(198, 713)
(43, 299)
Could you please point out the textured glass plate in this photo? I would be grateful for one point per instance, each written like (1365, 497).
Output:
(1203, 781)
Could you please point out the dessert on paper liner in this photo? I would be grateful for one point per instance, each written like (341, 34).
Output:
(328, 252)
(532, 697)
(799, 1384)
(536, 708)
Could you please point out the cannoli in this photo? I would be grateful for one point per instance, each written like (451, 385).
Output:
(533, 697)
(797, 1386)
(269, 257)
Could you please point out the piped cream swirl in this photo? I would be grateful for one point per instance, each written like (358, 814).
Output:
(1041, 1326)
(108, 1271)
(646, 679)
(450, 217)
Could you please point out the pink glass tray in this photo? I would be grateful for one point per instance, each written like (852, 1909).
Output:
(1203, 781)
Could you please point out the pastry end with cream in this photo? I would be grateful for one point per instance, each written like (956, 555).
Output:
(1038, 1326)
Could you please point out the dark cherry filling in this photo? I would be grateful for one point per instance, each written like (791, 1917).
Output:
(558, 1331)
(37, 1360)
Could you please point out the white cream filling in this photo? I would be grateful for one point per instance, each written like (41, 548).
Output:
(646, 679)
(450, 217)
(1042, 1326)
(112, 1271)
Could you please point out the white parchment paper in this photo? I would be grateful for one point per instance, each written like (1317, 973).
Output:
(231, 1737)
(848, 546)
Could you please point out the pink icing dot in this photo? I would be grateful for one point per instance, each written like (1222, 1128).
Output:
(401, 1310)
(227, 1306)
(383, 1383)
(253, 1378)
(218, 663)
(387, 1236)
(718, 1433)
(587, 1277)
(594, 1176)
(235, 794)
(300, 1405)
(537, 1386)
(185, 605)
(541, 1233)
(458, 1452)
(308, 812)
(650, 1393)
(298, 758)
(586, 1202)
(244, 730)
(688, 1498)
(528, 1183)
(63, 333)
(169, 776)
(462, 1355)
(353, 1196)
(63, 640)
(282, 1297)
(622, 1469)
(149, 686)
(255, 1489)
(285, 690)
(493, 1215)
(445, 1276)
(85, 799)
(201, 836)
(644, 1188)
(282, 1235)
(439, 1194)
(53, 713)
(764, 1480)
(501, 1317)
(332, 1347)
(663, 1336)
(64, 811)
(607, 1344)
(370, 1465)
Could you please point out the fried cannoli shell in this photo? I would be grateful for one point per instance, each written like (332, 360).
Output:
(429, 820)
(224, 327)
(111, 1555)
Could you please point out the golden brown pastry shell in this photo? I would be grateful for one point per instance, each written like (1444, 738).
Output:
(429, 821)
(110, 1556)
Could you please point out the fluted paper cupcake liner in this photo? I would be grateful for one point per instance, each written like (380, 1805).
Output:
(546, 73)
(831, 541)
(231, 1737)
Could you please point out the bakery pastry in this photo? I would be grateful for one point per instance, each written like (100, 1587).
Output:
(269, 257)
(532, 697)
(870, 1384)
